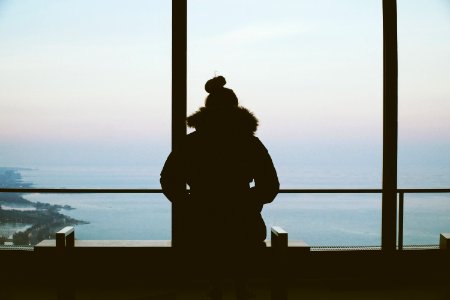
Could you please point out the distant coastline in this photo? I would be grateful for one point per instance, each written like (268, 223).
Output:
(41, 220)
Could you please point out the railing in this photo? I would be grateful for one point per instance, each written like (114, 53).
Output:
(401, 195)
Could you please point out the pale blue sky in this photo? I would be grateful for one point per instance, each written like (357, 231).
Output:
(92, 78)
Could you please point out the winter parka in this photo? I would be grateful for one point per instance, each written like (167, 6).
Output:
(219, 161)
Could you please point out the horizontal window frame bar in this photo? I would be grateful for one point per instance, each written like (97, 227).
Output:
(159, 191)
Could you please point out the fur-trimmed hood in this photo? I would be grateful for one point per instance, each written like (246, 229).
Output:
(236, 119)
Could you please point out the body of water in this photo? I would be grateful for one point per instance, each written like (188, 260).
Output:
(318, 219)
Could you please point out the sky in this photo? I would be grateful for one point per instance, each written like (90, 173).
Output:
(89, 81)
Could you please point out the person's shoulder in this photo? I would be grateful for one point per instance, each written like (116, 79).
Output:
(258, 144)
(254, 139)
(192, 136)
(188, 139)
(192, 139)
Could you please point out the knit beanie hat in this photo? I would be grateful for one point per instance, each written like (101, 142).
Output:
(219, 96)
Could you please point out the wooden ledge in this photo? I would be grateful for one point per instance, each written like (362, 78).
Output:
(293, 244)
(45, 244)
(110, 244)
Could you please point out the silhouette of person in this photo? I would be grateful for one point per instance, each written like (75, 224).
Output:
(218, 161)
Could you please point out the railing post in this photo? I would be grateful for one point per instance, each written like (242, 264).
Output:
(65, 238)
(400, 220)
(65, 242)
(279, 245)
(390, 126)
(444, 242)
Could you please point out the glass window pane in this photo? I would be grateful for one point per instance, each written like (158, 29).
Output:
(85, 103)
(85, 84)
(424, 109)
(29, 219)
(328, 219)
(424, 116)
(426, 217)
(311, 71)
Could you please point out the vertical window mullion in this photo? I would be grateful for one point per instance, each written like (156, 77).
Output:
(390, 126)
(179, 88)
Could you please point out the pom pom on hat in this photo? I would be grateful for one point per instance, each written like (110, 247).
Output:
(215, 84)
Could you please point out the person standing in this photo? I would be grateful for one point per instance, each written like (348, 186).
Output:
(219, 161)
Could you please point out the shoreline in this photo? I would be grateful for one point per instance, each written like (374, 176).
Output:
(45, 219)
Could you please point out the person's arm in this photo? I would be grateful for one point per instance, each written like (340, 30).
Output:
(173, 181)
(266, 180)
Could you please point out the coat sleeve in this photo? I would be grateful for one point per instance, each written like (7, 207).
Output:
(266, 180)
(173, 181)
